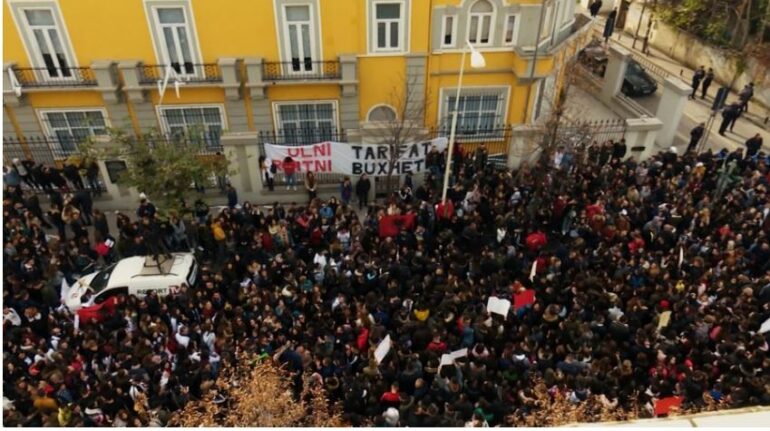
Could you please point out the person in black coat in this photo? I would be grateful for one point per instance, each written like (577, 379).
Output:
(72, 173)
(707, 82)
(363, 185)
(696, 80)
(83, 201)
(753, 145)
(729, 115)
(695, 134)
(619, 150)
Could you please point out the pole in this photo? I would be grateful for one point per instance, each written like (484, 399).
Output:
(452, 131)
(534, 60)
(639, 25)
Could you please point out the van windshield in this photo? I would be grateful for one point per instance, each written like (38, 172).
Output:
(100, 281)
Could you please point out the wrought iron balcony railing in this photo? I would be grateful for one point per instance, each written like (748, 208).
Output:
(301, 70)
(190, 72)
(36, 77)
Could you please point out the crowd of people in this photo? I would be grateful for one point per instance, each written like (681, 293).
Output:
(609, 247)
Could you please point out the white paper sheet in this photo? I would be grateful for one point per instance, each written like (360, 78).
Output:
(382, 349)
(765, 327)
(499, 306)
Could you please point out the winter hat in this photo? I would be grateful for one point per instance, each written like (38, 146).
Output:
(391, 416)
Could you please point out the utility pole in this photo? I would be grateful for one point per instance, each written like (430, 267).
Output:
(639, 25)
(534, 60)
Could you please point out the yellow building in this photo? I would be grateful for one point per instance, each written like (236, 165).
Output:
(295, 70)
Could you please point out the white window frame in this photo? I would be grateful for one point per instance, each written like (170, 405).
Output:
(286, 48)
(50, 131)
(159, 39)
(453, 42)
(166, 128)
(548, 20)
(480, 26)
(26, 33)
(502, 92)
(401, 27)
(514, 31)
(278, 121)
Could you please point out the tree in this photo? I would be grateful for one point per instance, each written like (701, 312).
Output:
(255, 393)
(164, 168)
(405, 126)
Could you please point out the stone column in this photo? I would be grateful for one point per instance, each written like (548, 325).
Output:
(242, 152)
(640, 137)
(670, 109)
(237, 120)
(260, 105)
(616, 72)
(136, 95)
(349, 118)
(108, 83)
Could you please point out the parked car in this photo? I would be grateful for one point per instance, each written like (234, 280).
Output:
(137, 276)
(637, 81)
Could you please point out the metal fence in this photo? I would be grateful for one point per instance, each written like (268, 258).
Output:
(300, 70)
(587, 132)
(496, 139)
(42, 149)
(189, 72)
(36, 77)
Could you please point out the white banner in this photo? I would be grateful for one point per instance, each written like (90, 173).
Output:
(355, 159)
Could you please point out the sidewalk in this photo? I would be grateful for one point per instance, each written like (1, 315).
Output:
(697, 111)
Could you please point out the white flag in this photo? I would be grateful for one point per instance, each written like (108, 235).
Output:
(681, 256)
(65, 289)
(533, 271)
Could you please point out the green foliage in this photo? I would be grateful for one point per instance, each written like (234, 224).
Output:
(715, 21)
(164, 169)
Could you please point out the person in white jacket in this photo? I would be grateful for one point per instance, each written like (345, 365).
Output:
(268, 170)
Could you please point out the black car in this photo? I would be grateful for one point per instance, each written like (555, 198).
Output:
(637, 81)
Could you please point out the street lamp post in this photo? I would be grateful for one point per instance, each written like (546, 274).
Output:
(477, 62)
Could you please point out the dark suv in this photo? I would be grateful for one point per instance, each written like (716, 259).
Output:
(637, 81)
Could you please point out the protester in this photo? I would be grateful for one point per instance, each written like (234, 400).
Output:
(363, 185)
(290, 167)
(695, 136)
(311, 185)
(346, 190)
(633, 282)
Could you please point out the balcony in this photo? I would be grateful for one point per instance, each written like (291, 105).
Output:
(43, 77)
(301, 70)
(188, 72)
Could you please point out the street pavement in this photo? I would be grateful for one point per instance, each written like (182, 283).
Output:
(696, 111)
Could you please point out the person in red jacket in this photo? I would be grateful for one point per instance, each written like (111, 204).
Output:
(391, 398)
(290, 167)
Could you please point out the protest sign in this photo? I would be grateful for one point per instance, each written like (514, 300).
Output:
(523, 299)
(382, 349)
(665, 405)
(498, 306)
(765, 327)
(663, 320)
(355, 159)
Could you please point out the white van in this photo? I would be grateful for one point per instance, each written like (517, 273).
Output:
(137, 276)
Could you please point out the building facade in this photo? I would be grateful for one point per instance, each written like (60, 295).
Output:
(297, 71)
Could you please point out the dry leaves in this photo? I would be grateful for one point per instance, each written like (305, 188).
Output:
(257, 393)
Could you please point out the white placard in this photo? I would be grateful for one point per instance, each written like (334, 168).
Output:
(499, 306)
(765, 327)
(382, 349)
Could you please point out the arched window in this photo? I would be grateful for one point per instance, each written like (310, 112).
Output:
(480, 23)
(382, 114)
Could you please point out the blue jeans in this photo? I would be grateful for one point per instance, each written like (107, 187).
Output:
(291, 180)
